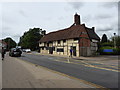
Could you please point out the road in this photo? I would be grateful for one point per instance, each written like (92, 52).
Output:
(79, 69)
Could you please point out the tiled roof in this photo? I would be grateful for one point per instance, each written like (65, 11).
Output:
(92, 34)
(72, 32)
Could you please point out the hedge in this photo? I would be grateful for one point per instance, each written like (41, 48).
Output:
(116, 51)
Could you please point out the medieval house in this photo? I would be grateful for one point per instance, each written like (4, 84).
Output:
(81, 39)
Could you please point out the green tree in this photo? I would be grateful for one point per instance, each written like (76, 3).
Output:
(10, 43)
(31, 38)
(104, 38)
(116, 39)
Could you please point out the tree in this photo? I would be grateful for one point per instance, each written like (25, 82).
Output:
(104, 38)
(31, 38)
(117, 40)
(10, 43)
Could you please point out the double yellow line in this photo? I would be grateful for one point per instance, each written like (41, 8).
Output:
(89, 65)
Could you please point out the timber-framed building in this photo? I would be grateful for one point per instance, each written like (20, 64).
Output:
(81, 39)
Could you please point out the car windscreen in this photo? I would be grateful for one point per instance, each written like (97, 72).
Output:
(16, 50)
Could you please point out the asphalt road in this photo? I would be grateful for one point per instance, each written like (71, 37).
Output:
(105, 78)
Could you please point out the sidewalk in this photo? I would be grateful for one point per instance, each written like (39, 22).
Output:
(21, 74)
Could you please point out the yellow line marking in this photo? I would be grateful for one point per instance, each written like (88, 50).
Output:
(103, 68)
(71, 77)
(106, 65)
(116, 67)
(89, 65)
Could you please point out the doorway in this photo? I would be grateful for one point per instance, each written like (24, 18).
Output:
(50, 50)
(74, 50)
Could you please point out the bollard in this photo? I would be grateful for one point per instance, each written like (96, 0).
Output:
(68, 59)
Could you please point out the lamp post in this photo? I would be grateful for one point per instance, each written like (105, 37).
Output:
(114, 40)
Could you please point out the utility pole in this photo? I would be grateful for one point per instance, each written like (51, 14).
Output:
(8, 44)
(114, 40)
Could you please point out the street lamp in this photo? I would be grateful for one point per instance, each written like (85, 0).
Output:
(114, 40)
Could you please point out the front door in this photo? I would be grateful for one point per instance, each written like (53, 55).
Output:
(74, 51)
(50, 50)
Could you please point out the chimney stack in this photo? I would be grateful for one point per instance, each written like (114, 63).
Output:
(93, 28)
(77, 19)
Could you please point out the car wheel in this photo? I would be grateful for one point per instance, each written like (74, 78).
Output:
(20, 55)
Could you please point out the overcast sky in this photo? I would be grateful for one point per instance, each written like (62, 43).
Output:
(18, 17)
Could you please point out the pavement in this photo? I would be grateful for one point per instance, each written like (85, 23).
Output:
(22, 74)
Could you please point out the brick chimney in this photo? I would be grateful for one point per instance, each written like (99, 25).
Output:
(93, 28)
(77, 19)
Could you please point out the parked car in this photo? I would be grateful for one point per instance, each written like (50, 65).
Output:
(15, 52)
(26, 50)
(23, 50)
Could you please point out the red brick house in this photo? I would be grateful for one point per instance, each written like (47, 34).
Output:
(81, 39)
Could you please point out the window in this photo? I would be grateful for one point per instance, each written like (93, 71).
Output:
(60, 50)
(53, 48)
(50, 42)
(47, 48)
(44, 43)
(64, 41)
(75, 39)
(58, 41)
(47, 44)
(42, 48)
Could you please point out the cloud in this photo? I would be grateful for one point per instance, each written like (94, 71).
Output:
(87, 18)
(76, 5)
(16, 35)
(101, 29)
(119, 5)
(103, 16)
(61, 18)
(21, 12)
(6, 28)
(110, 4)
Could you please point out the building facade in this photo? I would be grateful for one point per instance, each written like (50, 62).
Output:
(81, 39)
(2, 44)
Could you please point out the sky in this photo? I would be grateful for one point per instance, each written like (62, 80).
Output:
(18, 17)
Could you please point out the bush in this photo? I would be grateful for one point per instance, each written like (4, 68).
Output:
(116, 51)
(109, 44)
